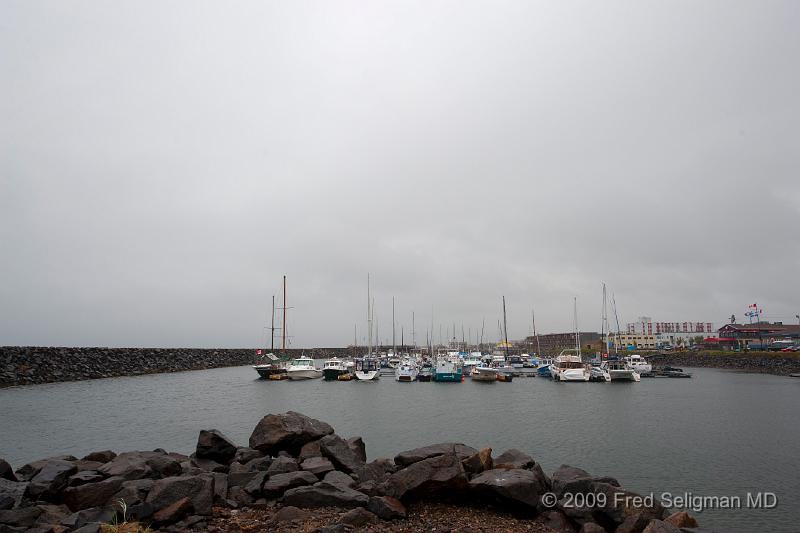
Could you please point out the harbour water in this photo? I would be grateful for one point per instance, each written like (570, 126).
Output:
(720, 433)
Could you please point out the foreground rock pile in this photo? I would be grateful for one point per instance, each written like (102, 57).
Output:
(297, 474)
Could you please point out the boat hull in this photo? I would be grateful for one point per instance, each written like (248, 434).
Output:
(572, 374)
(367, 375)
(297, 375)
(332, 374)
(266, 371)
(624, 375)
(447, 377)
(487, 375)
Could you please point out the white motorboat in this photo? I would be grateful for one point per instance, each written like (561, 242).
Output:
(367, 368)
(471, 361)
(639, 364)
(406, 371)
(570, 367)
(620, 370)
(303, 368)
(484, 373)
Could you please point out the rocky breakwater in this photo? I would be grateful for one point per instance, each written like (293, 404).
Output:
(294, 464)
(754, 362)
(26, 365)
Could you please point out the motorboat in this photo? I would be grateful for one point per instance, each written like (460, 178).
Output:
(367, 368)
(620, 370)
(425, 373)
(639, 364)
(570, 367)
(470, 362)
(598, 373)
(303, 368)
(544, 367)
(333, 368)
(484, 373)
(446, 369)
(266, 370)
(406, 370)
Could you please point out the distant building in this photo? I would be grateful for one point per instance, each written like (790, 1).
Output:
(646, 326)
(553, 343)
(762, 333)
(641, 342)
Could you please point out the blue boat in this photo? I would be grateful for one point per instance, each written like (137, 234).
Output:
(543, 370)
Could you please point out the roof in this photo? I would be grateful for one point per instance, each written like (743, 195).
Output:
(762, 327)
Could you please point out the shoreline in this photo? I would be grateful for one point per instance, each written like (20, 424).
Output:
(34, 365)
(297, 474)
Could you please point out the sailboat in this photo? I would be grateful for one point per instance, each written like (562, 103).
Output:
(568, 366)
(618, 368)
(270, 369)
(368, 368)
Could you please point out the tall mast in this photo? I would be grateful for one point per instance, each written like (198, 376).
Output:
(575, 318)
(272, 327)
(413, 331)
(369, 320)
(394, 344)
(605, 319)
(505, 325)
(616, 318)
(283, 330)
(538, 346)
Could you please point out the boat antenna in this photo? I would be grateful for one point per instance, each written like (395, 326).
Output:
(283, 329)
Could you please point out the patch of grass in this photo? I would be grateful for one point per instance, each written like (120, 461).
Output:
(125, 527)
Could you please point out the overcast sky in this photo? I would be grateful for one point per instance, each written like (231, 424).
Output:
(163, 164)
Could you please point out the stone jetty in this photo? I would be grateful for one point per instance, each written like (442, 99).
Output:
(296, 470)
(28, 365)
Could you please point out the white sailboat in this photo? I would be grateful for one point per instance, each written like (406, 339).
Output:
(568, 366)
(407, 370)
(368, 368)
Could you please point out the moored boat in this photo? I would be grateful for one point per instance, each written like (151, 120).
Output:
(406, 370)
(333, 368)
(447, 370)
(620, 370)
(303, 368)
(639, 364)
(484, 373)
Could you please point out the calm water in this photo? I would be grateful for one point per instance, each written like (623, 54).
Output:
(718, 434)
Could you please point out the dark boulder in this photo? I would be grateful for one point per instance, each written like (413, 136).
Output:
(254, 487)
(6, 472)
(378, 471)
(92, 494)
(512, 459)
(317, 465)
(51, 479)
(339, 478)
(244, 455)
(88, 466)
(24, 517)
(386, 507)
(288, 431)
(324, 494)
(591, 527)
(309, 449)
(213, 445)
(199, 489)
(133, 492)
(358, 517)
(259, 464)
(138, 465)
(440, 476)
(82, 477)
(409, 457)
(479, 462)
(173, 512)
(89, 517)
(28, 471)
(12, 490)
(240, 479)
(6, 502)
(52, 514)
(282, 465)
(278, 484)
(569, 479)
(100, 457)
(621, 503)
(339, 452)
(206, 465)
(359, 448)
(220, 487)
(514, 488)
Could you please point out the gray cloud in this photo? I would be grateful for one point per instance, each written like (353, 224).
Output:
(162, 166)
